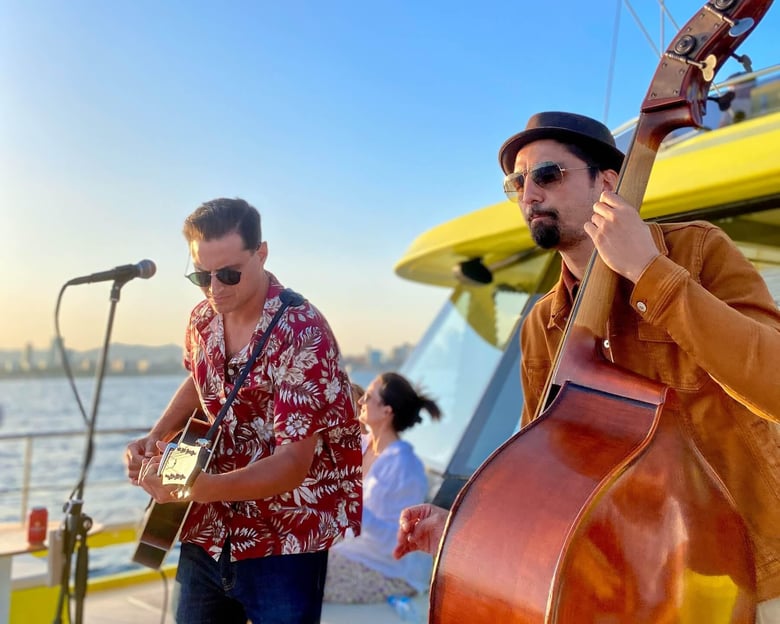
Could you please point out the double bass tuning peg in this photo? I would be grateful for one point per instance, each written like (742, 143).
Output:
(738, 27)
(744, 60)
(707, 66)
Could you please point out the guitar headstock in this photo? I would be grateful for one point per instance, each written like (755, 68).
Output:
(697, 52)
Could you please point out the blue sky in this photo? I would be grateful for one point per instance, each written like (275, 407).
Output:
(353, 126)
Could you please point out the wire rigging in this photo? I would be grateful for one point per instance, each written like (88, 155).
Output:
(665, 13)
(639, 23)
(612, 59)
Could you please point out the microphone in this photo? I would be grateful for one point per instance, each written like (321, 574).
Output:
(144, 269)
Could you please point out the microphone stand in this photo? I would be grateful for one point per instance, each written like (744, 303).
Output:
(76, 524)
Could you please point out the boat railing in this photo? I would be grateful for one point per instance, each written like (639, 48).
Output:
(24, 485)
(758, 92)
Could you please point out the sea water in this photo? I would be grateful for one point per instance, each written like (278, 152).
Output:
(43, 406)
(47, 405)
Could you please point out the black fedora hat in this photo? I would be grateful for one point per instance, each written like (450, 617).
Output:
(592, 135)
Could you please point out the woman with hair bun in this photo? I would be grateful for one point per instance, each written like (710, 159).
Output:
(362, 569)
(357, 392)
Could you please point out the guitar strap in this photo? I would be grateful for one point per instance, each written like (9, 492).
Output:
(288, 297)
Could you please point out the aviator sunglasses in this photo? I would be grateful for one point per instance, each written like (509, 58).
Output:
(229, 277)
(544, 175)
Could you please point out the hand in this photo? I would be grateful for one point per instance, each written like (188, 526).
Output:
(152, 483)
(420, 528)
(138, 451)
(622, 239)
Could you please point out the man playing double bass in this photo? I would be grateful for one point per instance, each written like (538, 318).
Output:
(698, 318)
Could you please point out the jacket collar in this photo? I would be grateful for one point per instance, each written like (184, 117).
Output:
(563, 292)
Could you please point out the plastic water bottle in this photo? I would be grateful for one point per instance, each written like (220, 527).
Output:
(405, 608)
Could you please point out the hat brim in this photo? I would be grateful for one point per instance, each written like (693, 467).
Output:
(610, 157)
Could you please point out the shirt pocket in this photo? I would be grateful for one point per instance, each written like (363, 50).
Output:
(537, 371)
(662, 359)
(766, 437)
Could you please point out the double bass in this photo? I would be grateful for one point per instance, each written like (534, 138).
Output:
(601, 510)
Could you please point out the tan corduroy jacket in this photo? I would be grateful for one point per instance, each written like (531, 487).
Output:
(702, 321)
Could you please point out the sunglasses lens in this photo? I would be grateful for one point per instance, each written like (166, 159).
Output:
(200, 278)
(546, 174)
(513, 185)
(229, 277)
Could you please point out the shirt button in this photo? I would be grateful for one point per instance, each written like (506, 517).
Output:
(606, 343)
(641, 306)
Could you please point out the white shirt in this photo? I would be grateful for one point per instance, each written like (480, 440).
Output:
(396, 480)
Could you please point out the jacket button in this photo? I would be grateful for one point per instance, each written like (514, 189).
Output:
(641, 306)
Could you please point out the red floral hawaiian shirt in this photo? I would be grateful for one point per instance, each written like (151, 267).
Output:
(297, 388)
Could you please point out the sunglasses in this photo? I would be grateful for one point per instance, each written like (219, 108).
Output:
(544, 175)
(229, 277)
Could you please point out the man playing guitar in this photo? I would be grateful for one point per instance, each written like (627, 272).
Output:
(284, 481)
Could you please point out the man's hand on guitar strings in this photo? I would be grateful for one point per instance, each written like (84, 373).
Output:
(151, 482)
(135, 454)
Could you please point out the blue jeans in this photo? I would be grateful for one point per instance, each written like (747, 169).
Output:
(281, 589)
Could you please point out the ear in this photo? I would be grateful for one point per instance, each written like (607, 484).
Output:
(262, 251)
(609, 179)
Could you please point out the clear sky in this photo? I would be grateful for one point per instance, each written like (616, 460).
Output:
(353, 126)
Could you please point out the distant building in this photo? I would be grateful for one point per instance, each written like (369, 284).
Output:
(55, 359)
(374, 358)
(27, 357)
(399, 354)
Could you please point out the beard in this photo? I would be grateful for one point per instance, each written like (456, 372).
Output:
(546, 235)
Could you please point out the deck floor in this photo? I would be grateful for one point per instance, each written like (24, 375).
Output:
(142, 604)
(135, 604)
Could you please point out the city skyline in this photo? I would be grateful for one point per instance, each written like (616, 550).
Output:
(151, 359)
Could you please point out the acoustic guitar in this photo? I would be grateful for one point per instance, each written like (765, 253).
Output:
(182, 462)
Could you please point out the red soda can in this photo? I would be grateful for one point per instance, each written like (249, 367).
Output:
(37, 523)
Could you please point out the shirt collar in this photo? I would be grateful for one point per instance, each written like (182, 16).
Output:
(568, 284)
